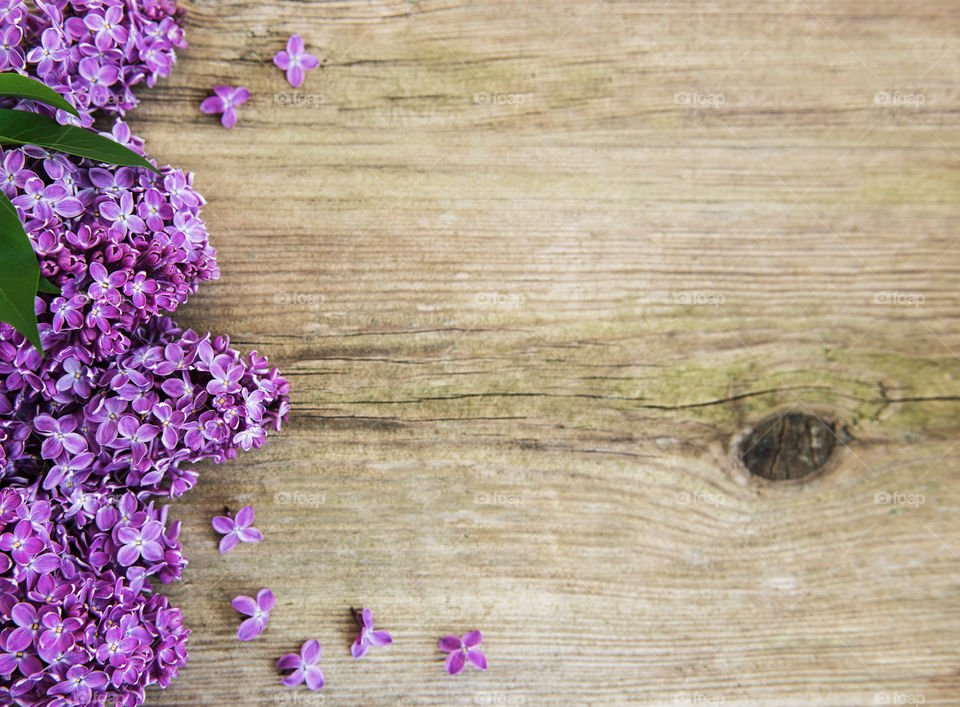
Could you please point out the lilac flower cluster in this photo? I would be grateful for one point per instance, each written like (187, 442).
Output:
(75, 626)
(123, 244)
(123, 401)
(93, 52)
(132, 421)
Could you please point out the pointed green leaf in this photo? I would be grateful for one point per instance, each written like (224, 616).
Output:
(19, 274)
(20, 127)
(25, 87)
(46, 286)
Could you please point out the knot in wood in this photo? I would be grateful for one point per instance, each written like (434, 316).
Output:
(789, 446)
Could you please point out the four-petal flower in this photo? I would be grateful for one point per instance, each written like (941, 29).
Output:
(225, 101)
(304, 666)
(463, 649)
(236, 529)
(258, 611)
(295, 60)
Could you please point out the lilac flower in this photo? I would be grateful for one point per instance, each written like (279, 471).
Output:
(136, 436)
(75, 378)
(68, 470)
(139, 287)
(122, 216)
(21, 543)
(116, 647)
(50, 52)
(113, 183)
(117, 410)
(304, 666)
(107, 414)
(10, 54)
(59, 435)
(139, 543)
(24, 615)
(108, 24)
(106, 284)
(224, 380)
(79, 683)
(13, 175)
(170, 421)
(295, 60)
(154, 210)
(67, 312)
(368, 636)
(17, 657)
(99, 78)
(225, 101)
(258, 611)
(58, 631)
(462, 650)
(237, 529)
(45, 201)
(251, 436)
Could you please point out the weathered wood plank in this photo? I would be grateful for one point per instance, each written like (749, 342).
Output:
(532, 269)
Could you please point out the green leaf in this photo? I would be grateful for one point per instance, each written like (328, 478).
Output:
(25, 87)
(46, 286)
(19, 274)
(18, 127)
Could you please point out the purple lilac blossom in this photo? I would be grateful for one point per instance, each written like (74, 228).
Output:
(237, 529)
(73, 625)
(462, 650)
(120, 406)
(225, 100)
(368, 635)
(258, 610)
(304, 666)
(295, 60)
(93, 53)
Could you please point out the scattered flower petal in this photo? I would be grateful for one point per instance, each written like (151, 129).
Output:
(225, 100)
(258, 610)
(295, 60)
(368, 635)
(462, 650)
(239, 529)
(304, 666)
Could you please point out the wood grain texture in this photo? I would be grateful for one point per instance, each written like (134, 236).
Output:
(532, 269)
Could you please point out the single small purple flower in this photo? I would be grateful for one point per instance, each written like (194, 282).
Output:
(79, 681)
(10, 54)
(45, 201)
(108, 24)
(99, 78)
(295, 60)
(225, 380)
(139, 287)
(136, 436)
(140, 542)
(66, 312)
(225, 101)
(368, 636)
(122, 216)
(75, 378)
(170, 422)
(50, 52)
(15, 655)
(258, 611)
(237, 529)
(304, 666)
(60, 436)
(462, 650)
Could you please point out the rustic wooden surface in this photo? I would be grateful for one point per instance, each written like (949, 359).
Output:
(531, 268)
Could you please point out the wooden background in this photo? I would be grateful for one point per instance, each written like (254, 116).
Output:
(531, 268)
